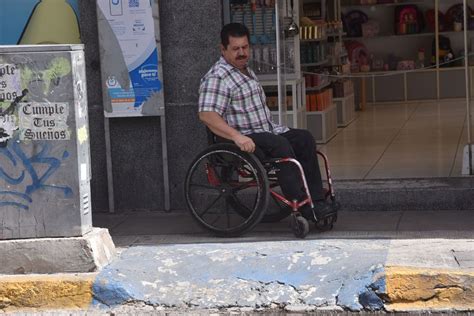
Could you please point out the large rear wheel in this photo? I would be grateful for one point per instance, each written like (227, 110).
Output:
(226, 190)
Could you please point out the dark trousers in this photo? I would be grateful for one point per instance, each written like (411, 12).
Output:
(298, 144)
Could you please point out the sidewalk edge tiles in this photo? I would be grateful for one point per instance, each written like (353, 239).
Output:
(44, 292)
(409, 289)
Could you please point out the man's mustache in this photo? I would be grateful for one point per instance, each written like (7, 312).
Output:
(241, 57)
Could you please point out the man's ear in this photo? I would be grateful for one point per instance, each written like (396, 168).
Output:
(222, 48)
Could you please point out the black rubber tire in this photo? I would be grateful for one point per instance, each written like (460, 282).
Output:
(280, 212)
(299, 226)
(226, 160)
(275, 212)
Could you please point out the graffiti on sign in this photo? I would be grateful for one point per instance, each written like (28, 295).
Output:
(31, 172)
(29, 161)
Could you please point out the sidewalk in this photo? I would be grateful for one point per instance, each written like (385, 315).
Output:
(371, 261)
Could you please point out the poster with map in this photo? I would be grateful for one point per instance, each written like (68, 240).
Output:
(132, 81)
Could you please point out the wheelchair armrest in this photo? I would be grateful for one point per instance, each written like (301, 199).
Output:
(211, 137)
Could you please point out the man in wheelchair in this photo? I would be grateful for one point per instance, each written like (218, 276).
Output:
(232, 105)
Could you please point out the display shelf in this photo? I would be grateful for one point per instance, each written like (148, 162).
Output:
(382, 36)
(262, 24)
(336, 34)
(345, 110)
(320, 63)
(292, 121)
(432, 68)
(322, 124)
(296, 86)
(312, 40)
(414, 86)
(318, 88)
(403, 46)
(382, 4)
(271, 79)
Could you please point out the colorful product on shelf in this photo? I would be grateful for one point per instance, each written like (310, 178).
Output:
(358, 55)
(272, 102)
(408, 20)
(319, 101)
(353, 21)
(315, 80)
(454, 17)
(312, 52)
(258, 16)
(445, 51)
(406, 65)
(312, 32)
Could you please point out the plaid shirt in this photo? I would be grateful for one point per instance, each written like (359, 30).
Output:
(239, 99)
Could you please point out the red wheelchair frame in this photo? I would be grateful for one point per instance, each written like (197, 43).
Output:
(245, 172)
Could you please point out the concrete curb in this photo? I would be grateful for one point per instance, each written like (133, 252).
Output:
(46, 292)
(415, 289)
(88, 253)
(389, 288)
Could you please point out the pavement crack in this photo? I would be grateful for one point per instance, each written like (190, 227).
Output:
(455, 258)
(189, 304)
(447, 287)
(286, 284)
(397, 228)
(337, 302)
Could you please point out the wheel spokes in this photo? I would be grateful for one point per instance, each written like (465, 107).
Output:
(204, 186)
(244, 185)
(211, 205)
(241, 204)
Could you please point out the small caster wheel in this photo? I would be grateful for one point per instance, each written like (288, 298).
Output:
(300, 226)
(326, 224)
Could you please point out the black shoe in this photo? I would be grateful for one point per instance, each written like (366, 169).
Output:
(324, 209)
(307, 212)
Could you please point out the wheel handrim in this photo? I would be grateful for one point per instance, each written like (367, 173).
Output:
(217, 213)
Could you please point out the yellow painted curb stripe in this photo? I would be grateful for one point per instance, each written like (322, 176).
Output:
(435, 289)
(57, 291)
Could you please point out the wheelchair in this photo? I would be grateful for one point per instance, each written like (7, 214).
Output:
(228, 192)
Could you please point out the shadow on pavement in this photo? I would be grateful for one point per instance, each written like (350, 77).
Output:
(150, 228)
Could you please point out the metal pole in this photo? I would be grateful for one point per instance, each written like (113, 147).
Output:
(164, 153)
(468, 99)
(373, 90)
(280, 90)
(437, 48)
(108, 157)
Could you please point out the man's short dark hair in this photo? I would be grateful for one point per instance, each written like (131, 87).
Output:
(234, 30)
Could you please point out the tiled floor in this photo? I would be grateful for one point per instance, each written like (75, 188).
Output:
(412, 140)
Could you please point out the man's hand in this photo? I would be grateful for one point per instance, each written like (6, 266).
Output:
(220, 127)
(245, 143)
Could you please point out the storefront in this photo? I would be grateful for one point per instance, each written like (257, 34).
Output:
(380, 84)
(320, 89)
